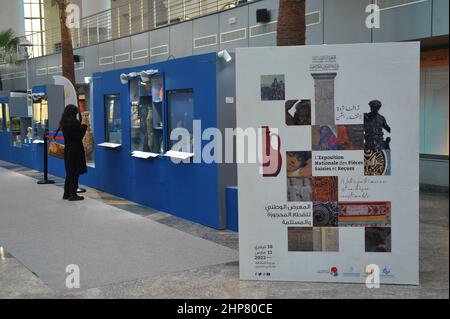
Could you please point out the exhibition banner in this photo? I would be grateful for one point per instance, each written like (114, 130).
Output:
(335, 194)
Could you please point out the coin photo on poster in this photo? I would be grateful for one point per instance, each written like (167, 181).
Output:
(325, 214)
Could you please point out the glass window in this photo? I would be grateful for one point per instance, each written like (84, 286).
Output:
(113, 122)
(34, 25)
(434, 109)
(180, 105)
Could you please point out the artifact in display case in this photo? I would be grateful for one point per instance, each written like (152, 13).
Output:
(88, 139)
(22, 132)
(113, 123)
(180, 105)
(143, 143)
(84, 93)
(15, 132)
(21, 119)
(156, 117)
(40, 116)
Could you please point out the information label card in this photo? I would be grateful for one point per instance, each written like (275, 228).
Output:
(334, 196)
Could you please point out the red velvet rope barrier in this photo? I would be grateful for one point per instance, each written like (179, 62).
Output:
(57, 138)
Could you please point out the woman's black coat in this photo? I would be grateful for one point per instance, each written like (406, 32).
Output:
(74, 156)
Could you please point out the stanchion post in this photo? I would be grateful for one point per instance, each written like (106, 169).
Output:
(45, 180)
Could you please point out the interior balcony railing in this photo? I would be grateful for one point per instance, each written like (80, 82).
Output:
(135, 17)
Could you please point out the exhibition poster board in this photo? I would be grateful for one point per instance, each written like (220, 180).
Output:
(337, 186)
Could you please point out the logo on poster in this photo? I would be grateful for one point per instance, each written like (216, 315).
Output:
(334, 272)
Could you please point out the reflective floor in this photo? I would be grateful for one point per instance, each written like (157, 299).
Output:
(222, 281)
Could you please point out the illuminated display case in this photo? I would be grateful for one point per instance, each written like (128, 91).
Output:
(87, 114)
(147, 115)
(2, 123)
(21, 120)
(141, 117)
(21, 131)
(113, 122)
(4, 117)
(15, 132)
(180, 105)
(40, 117)
(157, 89)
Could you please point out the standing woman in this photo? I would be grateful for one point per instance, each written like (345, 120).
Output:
(74, 156)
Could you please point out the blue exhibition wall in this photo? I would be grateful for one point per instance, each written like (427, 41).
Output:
(187, 190)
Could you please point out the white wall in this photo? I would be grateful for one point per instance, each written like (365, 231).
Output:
(90, 7)
(11, 16)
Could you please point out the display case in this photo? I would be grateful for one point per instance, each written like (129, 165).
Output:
(40, 116)
(87, 114)
(113, 122)
(21, 131)
(157, 117)
(21, 120)
(4, 117)
(147, 116)
(180, 108)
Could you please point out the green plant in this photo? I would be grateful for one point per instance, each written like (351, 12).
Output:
(8, 49)
(8, 46)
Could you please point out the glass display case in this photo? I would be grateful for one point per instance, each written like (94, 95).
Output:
(84, 104)
(113, 123)
(157, 116)
(146, 131)
(4, 117)
(180, 107)
(2, 123)
(21, 131)
(40, 117)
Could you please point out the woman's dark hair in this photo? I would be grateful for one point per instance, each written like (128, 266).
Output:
(69, 115)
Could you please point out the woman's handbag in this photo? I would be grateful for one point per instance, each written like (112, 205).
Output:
(55, 149)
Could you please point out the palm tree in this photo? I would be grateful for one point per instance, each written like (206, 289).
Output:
(8, 48)
(68, 68)
(291, 26)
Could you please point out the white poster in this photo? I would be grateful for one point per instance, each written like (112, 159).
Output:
(338, 187)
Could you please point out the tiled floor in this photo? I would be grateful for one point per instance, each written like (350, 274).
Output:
(222, 281)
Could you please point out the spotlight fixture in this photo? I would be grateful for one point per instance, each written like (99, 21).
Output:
(224, 55)
(124, 78)
(145, 75)
(37, 97)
